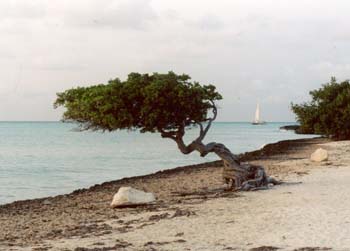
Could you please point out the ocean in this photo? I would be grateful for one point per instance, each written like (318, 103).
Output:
(39, 159)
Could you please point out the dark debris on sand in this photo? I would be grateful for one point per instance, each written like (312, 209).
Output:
(264, 248)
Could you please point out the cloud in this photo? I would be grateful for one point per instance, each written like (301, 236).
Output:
(64, 67)
(328, 69)
(22, 9)
(5, 54)
(135, 14)
(210, 23)
(251, 50)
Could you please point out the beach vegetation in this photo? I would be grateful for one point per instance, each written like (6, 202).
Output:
(328, 112)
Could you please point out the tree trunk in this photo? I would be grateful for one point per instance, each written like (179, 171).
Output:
(238, 176)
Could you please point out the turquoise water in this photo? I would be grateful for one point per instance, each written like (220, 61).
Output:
(40, 159)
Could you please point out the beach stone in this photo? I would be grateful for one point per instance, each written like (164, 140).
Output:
(47, 202)
(128, 196)
(319, 155)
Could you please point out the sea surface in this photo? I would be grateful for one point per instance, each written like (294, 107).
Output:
(39, 159)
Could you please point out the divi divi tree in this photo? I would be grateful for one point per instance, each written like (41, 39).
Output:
(159, 103)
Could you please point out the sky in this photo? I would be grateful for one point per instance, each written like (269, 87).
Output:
(268, 51)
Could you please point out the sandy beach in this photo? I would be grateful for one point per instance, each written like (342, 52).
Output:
(310, 211)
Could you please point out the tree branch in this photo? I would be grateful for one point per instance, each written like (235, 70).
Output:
(170, 135)
(203, 132)
(197, 144)
(200, 127)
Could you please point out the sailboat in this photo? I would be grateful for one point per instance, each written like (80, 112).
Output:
(257, 120)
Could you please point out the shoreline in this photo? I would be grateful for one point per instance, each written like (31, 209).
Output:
(265, 152)
(192, 205)
(112, 155)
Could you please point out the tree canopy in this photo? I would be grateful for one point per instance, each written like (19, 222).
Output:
(164, 103)
(328, 113)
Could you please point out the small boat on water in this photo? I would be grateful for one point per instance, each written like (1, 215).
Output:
(257, 120)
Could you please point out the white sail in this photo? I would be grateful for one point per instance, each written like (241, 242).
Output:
(257, 120)
(257, 114)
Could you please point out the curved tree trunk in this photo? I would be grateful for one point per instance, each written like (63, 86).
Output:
(236, 175)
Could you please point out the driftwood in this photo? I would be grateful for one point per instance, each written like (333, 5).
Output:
(238, 176)
(256, 178)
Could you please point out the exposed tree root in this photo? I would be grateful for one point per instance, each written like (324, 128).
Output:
(249, 178)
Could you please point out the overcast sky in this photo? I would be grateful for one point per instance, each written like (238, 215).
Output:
(271, 51)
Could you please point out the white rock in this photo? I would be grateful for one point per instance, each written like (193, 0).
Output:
(127, 196)
(319, 155)
(47, 202)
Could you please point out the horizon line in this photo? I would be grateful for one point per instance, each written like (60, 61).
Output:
(56, 121)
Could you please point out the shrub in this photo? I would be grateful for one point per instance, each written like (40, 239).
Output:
(328, 113)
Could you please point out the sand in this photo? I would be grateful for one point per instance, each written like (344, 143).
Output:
(310, 211)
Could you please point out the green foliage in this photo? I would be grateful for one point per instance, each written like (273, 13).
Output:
(155, 102)
(329, 111)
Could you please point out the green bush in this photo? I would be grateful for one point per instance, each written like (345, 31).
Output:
(147, 102)
(328, 113)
